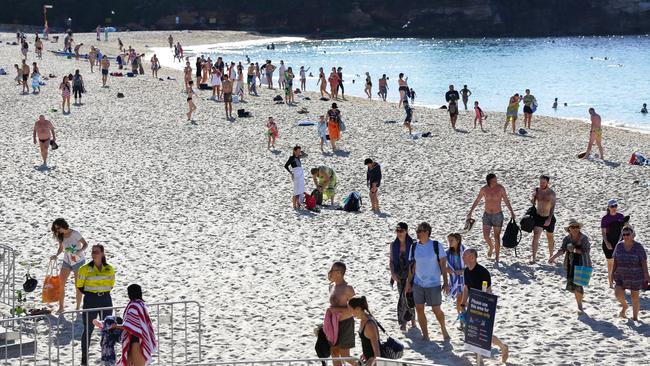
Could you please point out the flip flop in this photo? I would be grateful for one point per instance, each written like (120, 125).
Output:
(469, 223)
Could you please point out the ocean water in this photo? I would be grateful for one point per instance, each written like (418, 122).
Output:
(611, 74)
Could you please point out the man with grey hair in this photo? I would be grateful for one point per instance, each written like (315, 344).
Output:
(476, 276)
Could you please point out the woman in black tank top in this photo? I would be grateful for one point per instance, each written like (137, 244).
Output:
(368, 330)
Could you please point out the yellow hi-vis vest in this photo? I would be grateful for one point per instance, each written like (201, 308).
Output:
(91, 279)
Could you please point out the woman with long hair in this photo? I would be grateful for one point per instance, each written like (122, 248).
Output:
(323, 84)
(65, 93)
(138, 337)
(73, 245)
(630, 271)
(368, 330)
(611, 225)
(398, 263)
(456, 268)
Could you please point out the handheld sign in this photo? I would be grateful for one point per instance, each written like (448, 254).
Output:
(479, 322)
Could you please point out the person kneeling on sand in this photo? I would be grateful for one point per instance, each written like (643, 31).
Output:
(429, 260)
(576, 248)
(325, 180)
(475, 275)
(340, 293)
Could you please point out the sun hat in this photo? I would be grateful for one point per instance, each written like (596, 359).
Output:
(573, 222)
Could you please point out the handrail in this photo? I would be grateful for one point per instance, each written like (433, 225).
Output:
(287, 361)
(8, 275)
(150, 306)
(21, 320)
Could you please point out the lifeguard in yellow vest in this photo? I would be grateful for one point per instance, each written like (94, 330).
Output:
(96, 280)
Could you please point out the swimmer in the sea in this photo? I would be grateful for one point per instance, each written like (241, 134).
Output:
(644, 109)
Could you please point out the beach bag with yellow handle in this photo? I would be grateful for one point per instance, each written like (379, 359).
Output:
(582, 275)
(52, 285)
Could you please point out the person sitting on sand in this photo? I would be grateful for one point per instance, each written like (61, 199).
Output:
(368, 330)
(190, 102)
(544, 201)
(465, 92)
(511, 112)
(323, 84)
(576, 248)
(325, 179)
(644, 108)
(475, 276)
(428, 265)
(339, 295)
(44, 131)
(479, 116)
(271, 133)
(452, 98)
(322, 131)
(494, 194)
(630, 271)
(373, 179)
(383, 87)
(333, 125)
(227, 96)
(595, 135)
(294, 167)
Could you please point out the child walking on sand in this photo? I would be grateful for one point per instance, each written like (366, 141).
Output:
(480, 116)
(322, 131)
(271, 132)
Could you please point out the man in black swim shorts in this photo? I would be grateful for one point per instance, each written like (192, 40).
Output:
(544, 201)
(340, 293)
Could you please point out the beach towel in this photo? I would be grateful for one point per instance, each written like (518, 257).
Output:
(109, 338)
(582, 275)
(137, 324)
(306, 123)
(331, 326)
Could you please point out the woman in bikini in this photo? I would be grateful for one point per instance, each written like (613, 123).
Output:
(403, 89)
(323, 83)
(65, 93)
(190, 102)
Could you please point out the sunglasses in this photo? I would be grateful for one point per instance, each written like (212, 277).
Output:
(613, 206)
(399, 230)
(97, 252)
(574, 227)
(627, 234)
(421, 231)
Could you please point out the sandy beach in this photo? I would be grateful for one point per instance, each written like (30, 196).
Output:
(203, 211)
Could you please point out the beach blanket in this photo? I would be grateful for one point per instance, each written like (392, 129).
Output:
(137, 324)
(306, 123)
(331, 326)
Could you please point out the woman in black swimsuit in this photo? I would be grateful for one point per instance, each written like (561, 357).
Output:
(368, 330)
(190, 103)
(368, 89)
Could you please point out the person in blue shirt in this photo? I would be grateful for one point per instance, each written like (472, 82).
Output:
(427, 258)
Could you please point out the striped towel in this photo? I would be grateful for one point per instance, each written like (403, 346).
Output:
(137, 323)
(455, 263)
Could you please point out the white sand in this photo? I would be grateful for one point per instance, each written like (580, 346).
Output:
(202, 212)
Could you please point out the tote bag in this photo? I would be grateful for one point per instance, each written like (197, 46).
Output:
(52, 285)
(582, 275)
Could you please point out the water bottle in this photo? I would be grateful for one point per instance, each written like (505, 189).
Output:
(485, 286)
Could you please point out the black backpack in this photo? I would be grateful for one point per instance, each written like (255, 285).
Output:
(512, 236)
(527, 222)
(436, 250)
(352, 202)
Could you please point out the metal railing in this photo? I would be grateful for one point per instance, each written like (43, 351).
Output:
(8, 275)
(312, 361)
(20, 338)
(163, 316)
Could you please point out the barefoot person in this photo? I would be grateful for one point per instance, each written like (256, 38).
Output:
(576, 248)
(105, 64)
(25, 75)
(333, 125)
(452, 98)
(190, 101)
(73, 246)
(373, 179)
(398, 263)
(368, 330)
(294, 167)
(475, 276)
(429, 262)
(334, 83)
(77, 87)
(494, 194)
(383, 87)
(611, 226)
(455, 268)
(465, 92)
(529, 104)
(65, 93)
(44, 131)
(544, 201)
(322, 131)
(227, 96)
(630, 271)
(511, 112)
(340, 294)
(595, 134)
(479, 116)
(323, 84)
(368, 88)
(271, 133)
(403, 88)
(409, 116)
(138, 337)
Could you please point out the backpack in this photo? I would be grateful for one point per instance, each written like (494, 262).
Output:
(527, 222)
(243, 113)
(318, 196)
(310, 201)
(277, 98)
(436, 250)
(512, 236)
(352, 202)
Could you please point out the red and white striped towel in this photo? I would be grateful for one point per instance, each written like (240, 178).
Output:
(137, 324)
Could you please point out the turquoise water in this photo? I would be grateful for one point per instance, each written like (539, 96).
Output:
(493, 69)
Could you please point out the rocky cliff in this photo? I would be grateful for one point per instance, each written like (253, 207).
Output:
(403, 18)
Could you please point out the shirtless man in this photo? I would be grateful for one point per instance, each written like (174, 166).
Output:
(188, 73)
(544, 201)
(494, 193)
(105, 64)
(25, 76)
(76, 50)
(340, 293)
(595, 135)
(250, 78)
(465, 94)
(269, 73)
(45, 132)
(383, 87)
(227, 95)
